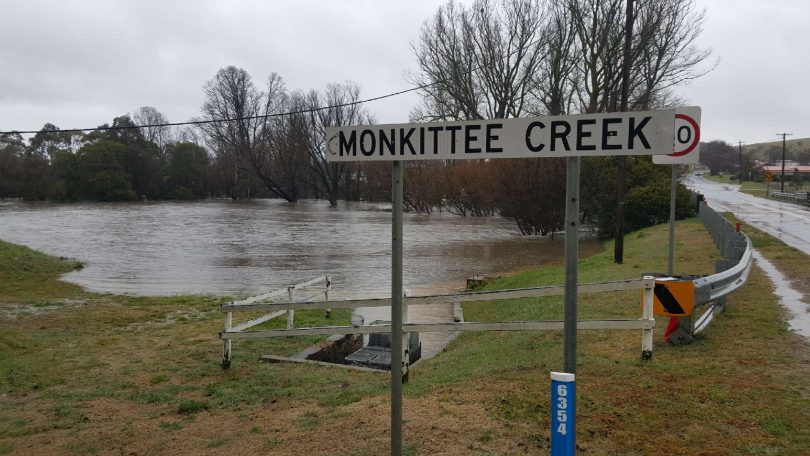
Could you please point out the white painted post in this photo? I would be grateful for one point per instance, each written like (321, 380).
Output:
(647, 314)
(326, 294)
(290, 312)
(226, 355)
(406, 340)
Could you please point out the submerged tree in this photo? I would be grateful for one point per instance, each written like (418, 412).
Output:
(239, 118)
(314, 112)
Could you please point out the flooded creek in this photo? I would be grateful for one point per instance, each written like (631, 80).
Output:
(247, 247)
(242, 248)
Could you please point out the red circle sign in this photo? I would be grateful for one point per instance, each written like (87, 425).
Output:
(692, 139)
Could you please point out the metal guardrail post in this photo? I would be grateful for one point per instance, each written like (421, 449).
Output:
(647, 314)
(290, 312)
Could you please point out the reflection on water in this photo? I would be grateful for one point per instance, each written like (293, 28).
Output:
(240, 248)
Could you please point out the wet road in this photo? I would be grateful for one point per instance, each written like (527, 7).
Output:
(786, 221)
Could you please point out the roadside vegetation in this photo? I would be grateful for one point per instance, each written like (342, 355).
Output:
(86, 373)
(724, 162)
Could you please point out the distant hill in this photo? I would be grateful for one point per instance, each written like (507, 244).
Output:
(796, 149)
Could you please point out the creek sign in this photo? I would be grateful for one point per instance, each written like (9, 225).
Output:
(605, 134)
(619, 133)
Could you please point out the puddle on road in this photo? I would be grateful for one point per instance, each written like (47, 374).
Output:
(788, 297)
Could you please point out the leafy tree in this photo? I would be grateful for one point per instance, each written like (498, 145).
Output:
(719, 156)
(100, 173)
(647, 200)
(24, 171)
(12, 149)
(49, 140)
(187, 171)
(803, 156)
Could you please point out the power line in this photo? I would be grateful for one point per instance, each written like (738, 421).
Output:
(232, 119)
(267, 116)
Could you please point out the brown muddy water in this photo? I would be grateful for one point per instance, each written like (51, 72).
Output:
(243, 248)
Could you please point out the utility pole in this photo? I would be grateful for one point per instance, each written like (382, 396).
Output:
(739, 144)
(618, 247)
(782, 178)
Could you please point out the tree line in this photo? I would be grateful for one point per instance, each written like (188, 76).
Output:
(491, 59)
(722, 157)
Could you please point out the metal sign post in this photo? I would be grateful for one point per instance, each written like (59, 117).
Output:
(672, 195)
(396, 308)
(570, 311)
(685, 150)
(575, 136)
(571, 258)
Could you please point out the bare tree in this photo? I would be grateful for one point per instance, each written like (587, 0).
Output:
(510, 58)
(666, 51)
(287, 144)
(245, 132)
(501, 41)
(555, 84)
(336, 106)
(598, 25)
(147, 115)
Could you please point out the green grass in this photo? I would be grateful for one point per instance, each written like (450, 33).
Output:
(741, 385)
(30, 276)
(192, 407)
(720, 381)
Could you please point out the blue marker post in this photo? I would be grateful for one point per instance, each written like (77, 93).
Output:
(563, 416)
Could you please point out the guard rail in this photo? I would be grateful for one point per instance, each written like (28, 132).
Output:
(798, 197)
(732, 270)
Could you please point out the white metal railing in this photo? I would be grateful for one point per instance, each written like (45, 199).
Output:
(248, 304)
(645, 323)
(798, 197)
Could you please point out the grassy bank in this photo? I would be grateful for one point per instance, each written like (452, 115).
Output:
(83, 373)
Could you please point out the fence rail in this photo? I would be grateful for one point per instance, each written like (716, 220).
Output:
(798, 197)
(645, 323)
(254, 303)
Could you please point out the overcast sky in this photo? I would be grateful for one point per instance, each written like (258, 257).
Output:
(80, 63)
